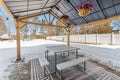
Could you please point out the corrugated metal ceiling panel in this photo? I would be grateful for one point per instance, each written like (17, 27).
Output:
(102, 9)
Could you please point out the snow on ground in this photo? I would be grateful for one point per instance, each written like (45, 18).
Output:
(30, 49)
(105, 54)
(108, 55)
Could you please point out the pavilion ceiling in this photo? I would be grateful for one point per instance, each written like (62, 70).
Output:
(102, 9)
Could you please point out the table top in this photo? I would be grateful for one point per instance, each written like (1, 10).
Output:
(61, 48)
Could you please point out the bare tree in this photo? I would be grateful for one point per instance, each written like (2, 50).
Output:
(3, 28)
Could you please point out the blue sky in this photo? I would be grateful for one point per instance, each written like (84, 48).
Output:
(11, 25)
(115, 24)
(9, 22)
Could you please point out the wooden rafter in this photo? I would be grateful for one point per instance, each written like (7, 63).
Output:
(2, 4)
(21, 27)
(46, 18)
(53, 19)
(46, 25)
(100, 22)
(30, 16)
(49, 17)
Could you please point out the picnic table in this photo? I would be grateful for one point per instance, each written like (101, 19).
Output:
(60, 49)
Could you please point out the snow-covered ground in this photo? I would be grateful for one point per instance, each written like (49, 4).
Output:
(105, 54)
(108, 55)
(30, 49)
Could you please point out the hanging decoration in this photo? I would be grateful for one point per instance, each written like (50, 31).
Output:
(64, 18)
(84, 9)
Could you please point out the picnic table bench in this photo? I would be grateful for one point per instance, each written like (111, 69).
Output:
(39, 70)
(44, 63)
(71, 63)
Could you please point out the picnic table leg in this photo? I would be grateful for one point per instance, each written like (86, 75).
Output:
(63, 54)
(44, 71)
(55, 62)
(61, 75)
(68, 53)
(47, 54)
(76, 53)
(84, 65)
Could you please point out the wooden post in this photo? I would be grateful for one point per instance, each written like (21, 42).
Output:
(69, 29)
(112, 38)
(85, 37)
(96, 38)
(68, 37)
(18, 40)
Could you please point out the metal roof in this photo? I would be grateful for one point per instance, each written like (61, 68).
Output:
(102, 9)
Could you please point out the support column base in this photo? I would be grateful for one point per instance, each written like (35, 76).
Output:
(19, 59)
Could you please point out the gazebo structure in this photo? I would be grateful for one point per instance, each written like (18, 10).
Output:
(20, 10)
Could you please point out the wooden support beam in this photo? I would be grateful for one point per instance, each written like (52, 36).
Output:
(23, 26)
(100, 21)
(46, 25)
(49, 17)
(30, 16)
(69, 29)
(53, 19)
(68, 37)
(3, 5)
(18, 40)
(46, 18)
